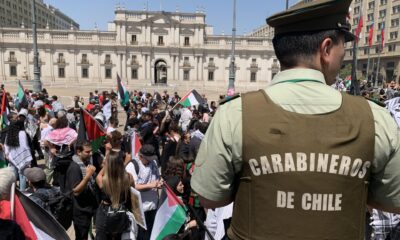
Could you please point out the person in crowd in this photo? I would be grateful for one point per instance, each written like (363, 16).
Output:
(9, 229)
(112, 125)
(56, 105)
(45, 131)
(170, 146)
(43, 193)
(147, 181)
(17, 150)
(114, 183)
(80, 180)
(186, 116)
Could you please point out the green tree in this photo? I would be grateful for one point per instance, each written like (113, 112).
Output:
(346, 71)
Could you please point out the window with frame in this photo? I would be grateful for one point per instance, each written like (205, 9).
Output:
(61, 58)
(84, 58)
(108, 73)
(13, 71)
(365, 51)
(160, 41)
(253, 76)
(383, 2)
(394, 22)
(396, 9)
(356, 10)
(61, 72)
(108, 59)
(371, 5)
(134, 73)
(85, 72)
(393, 35)
(382, 13)
(133, 39)
(187, 41)
(186, 74)
(210, 75)
(392, 47)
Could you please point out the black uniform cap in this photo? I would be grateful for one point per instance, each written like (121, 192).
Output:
(319, 15)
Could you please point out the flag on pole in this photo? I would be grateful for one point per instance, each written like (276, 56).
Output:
(383, 36)
(359, 27)
(90, 131)
(123, 94)
(191, 98)
(22, 100)
(136, 145)
(4, 111)
(170, 216)
(371, 35)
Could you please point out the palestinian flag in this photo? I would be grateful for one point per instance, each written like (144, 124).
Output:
(170, 216)
(190, 99)
(35, 222)
(136, 145)
(22, 100)
(4, 111)
(123, 94)
(90, 131)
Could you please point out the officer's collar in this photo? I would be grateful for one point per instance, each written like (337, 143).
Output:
(298, 74)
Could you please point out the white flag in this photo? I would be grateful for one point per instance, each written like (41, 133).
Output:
(107, 110)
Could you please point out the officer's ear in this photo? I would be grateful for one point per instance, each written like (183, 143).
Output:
(326, 49)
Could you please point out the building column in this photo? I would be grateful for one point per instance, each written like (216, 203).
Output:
(197, 68)
(173, 67)
(75, 66)
(2, 66)
(124, 67)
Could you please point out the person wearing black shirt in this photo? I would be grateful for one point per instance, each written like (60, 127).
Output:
(81, 181)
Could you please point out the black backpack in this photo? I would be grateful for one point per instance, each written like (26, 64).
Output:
(60, 207)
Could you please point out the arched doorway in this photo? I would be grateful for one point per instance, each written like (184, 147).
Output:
(160, 72)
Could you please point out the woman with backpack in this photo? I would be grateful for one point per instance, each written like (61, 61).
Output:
(114, 183)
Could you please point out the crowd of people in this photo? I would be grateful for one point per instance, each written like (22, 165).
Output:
(97, 180)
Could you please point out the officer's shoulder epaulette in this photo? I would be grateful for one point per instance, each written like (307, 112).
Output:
(381, 104)
(230, 98)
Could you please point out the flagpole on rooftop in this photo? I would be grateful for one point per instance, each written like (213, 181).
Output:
(37, 85)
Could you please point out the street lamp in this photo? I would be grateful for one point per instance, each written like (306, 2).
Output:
(37, 85)
(231, 86)
(287, 4)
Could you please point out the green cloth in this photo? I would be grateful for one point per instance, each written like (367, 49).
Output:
(220, 154)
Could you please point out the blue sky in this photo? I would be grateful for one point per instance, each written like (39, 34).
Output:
(250, 13)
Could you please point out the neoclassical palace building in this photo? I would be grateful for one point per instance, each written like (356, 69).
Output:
(143, 48)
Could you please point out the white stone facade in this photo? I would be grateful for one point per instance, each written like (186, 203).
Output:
(144, 48)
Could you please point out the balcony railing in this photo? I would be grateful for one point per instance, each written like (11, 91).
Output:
(107, 62)
(160, 44)
(186, 63)
(61, 60)
(254, 65)
(84, 61)
(134, 43)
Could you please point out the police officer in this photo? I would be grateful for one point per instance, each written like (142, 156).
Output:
(299, 159)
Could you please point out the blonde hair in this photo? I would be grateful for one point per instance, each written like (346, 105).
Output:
(116, 179)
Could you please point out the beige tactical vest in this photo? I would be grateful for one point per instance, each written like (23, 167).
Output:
(304, 176)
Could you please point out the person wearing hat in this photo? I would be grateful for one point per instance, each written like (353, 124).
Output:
(299, 158)
(42, 192)
(147, 181)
